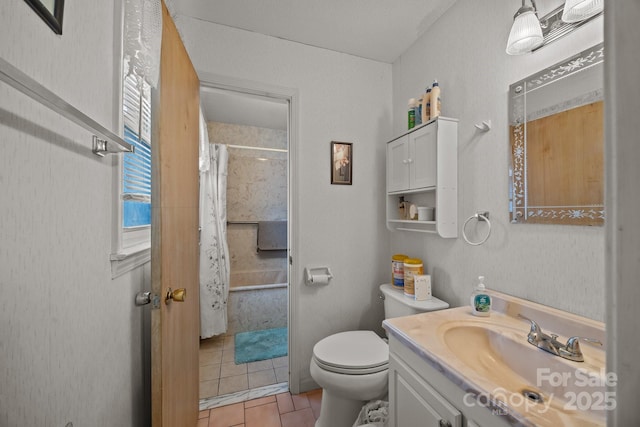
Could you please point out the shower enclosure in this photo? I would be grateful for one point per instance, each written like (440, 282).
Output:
(256, 224)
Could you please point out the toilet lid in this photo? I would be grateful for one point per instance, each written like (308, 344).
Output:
(353, 352)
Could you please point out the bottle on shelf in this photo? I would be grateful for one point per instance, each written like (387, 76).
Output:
(426, 106)
(435, 100)
(412, 114)
(418, 108)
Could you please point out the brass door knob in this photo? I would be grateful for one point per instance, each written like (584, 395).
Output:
(178, 295)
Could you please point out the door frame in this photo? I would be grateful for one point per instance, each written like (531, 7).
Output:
(291, 95)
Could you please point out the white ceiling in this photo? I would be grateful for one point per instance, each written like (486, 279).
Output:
(374, 29)
(242, 109)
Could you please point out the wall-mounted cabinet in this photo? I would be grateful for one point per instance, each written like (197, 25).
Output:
(422, 167)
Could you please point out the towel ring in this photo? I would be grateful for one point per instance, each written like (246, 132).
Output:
(480, 216)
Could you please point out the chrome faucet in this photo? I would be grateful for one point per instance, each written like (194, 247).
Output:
(549, 343)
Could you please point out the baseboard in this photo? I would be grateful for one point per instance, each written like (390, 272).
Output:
(308, 384)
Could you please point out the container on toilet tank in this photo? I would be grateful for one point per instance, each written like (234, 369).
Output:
(412, 267)
(397, 305)
(397, 270)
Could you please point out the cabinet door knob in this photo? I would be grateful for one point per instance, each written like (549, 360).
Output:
(409, 160)
(445, 423)
(404, 162)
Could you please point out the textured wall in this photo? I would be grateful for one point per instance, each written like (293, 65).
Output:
(561, 266)
(341, 98)
(256, 191)
(70, 339)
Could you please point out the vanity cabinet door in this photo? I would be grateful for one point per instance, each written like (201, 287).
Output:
(414, 403)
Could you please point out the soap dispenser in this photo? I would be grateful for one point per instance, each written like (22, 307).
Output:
(480, 300)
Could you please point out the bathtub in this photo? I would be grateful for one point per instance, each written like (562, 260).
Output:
(257, 307)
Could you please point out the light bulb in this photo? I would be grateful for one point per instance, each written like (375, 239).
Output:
(579, 10)
(526, 33)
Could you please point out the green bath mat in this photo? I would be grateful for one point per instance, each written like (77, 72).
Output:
(260, 345)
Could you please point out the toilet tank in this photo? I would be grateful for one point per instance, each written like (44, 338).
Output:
(396, 304)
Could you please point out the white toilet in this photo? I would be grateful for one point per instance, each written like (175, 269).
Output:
(352, 367)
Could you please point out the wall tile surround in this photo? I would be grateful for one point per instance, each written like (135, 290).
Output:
(258, 309)
(256, 191)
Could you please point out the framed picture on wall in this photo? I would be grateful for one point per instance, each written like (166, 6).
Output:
(50, 11)
(341, 162)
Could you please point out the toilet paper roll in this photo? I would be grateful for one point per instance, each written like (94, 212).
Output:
(320, 279)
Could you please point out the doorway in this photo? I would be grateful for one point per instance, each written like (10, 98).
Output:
(255, 128)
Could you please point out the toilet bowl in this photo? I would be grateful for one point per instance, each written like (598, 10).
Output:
(352, 367)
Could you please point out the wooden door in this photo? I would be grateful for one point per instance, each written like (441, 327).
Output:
(175, 326)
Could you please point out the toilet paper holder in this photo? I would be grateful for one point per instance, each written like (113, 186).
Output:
(317, 275)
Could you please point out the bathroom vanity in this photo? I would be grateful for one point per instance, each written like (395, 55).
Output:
(450, 368)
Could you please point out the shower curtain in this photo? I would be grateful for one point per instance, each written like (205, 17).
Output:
(214, 251)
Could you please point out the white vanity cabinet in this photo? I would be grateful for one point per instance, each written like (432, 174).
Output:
(421, 396)
(414, 402)
(422, 167)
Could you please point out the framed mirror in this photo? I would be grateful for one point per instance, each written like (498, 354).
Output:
(51, 11)
(556, 119)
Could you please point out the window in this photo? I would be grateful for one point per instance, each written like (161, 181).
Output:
(136, 174)
(134, 186)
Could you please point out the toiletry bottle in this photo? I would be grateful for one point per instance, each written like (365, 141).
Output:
(412, 113)
(426, 106)
(435, 100)
(418, 108)
(480, 300)
(401, 209)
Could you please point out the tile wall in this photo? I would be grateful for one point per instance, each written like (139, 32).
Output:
(256, 191)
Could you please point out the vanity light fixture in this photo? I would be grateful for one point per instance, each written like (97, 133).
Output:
(579, 10)
(526, 32)
(529, 33)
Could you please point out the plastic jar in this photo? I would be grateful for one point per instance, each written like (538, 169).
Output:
(397, 270)
(412, 267)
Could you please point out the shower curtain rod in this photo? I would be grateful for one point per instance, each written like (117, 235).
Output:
(104, 141)
(248, 147)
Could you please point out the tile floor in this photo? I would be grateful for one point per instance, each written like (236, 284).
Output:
(281, 410)
(219, 375)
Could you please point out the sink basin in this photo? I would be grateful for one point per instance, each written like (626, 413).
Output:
(497, 371)
(519, 375)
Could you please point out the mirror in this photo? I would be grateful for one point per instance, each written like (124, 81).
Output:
(556, 136)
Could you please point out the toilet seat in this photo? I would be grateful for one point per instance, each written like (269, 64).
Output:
(352, 353)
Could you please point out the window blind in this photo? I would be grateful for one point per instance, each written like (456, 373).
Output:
(136, 176)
